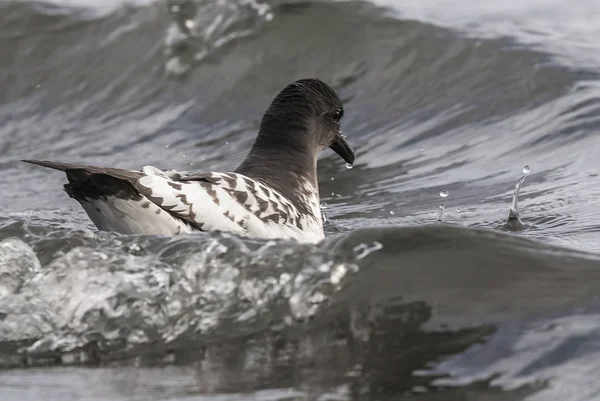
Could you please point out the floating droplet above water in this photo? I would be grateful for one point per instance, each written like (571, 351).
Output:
(323, 205)
(444, 194)
(349, 166)
(189, 23)
(332, 178)
(526, 169)
(422, 150)
(333, 194)
(458, 209)
(392, 212)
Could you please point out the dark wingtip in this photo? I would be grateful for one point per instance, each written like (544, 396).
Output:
(49, 164)
(37, 162)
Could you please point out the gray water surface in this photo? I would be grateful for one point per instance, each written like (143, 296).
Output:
(440, 95)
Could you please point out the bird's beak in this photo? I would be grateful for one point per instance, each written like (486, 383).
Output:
(341, 147)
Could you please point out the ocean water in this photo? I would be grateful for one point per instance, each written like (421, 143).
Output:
(442, 97)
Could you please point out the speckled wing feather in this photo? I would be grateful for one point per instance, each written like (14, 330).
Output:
(226, 202)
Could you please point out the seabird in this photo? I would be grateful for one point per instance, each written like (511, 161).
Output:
(274, 193)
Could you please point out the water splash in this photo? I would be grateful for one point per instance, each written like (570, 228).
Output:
(440, 212)
(443, 194)
(201, 26)
(133, 293)
(363, 250)
(514, 222)
(18, 261)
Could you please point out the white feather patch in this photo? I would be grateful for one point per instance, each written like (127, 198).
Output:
(230, 202)
(127, 216)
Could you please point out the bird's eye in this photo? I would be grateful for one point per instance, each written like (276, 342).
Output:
(337, 115)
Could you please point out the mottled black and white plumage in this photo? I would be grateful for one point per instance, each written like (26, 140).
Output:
(272, 194)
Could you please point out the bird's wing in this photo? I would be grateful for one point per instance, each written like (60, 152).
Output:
(221, 201)
(135, 201)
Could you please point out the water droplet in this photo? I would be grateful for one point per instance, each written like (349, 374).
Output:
(175, 9)
(166, 146)
(183, 156)
(444, 194)
(325, 218)
(189, 23)
(226, 142)
(38, 86)
(323, 205)
(333, 194)
(392, 212)
(349, 166)
(332, 178)
(422, 150)
(526, 169)
(458, 209)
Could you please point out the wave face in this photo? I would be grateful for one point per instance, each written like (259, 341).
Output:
(440, 95)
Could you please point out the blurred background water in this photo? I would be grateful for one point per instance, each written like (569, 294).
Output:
(440, 95)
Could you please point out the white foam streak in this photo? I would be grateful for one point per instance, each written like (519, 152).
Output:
(102, 7)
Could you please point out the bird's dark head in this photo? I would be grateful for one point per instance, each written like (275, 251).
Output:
(306, 115)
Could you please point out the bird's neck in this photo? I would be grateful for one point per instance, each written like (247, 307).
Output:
(286, 167)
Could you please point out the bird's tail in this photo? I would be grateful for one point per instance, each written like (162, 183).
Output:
(54, 165)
